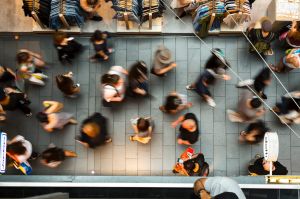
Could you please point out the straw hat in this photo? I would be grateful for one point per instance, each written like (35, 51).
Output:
(163, 55)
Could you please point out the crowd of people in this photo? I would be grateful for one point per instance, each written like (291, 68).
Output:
(118, 84)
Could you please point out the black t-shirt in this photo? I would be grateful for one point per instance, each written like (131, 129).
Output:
(198, 159)
(14, 100)
(100, 138)
(192, 137)
(258, 168)
(6, 76)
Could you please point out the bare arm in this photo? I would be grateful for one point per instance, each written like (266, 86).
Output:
(54, 106)
(166, 69)
(176, 122)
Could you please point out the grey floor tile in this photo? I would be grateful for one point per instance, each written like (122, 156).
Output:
(233, 166)
(119, 158)
(207, 145)
(233, 146)
(168, 157)
(181, 49)
(220, 158)
(194, 63)
(219, 134)
(157, 145)
(168, 135)
(295, 155)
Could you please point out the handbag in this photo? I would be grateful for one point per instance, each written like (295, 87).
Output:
(24, 167)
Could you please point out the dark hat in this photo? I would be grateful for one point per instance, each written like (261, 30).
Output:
(163, 55)
(2, 93)
(226, 195)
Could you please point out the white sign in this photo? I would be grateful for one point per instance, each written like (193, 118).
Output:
(3, 143)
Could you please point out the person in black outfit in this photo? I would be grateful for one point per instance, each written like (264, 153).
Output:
(6, 75)
(174, 103)
(262, 167)
(67, 47)
(138, 79)
(66, 84)
(99, 40)
(94, 131)
(196, 166)
(189, 130)
(12, 99)
(260, 82)
(54, 156)
(254, 133)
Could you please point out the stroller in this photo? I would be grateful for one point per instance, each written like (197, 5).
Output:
(186, 158)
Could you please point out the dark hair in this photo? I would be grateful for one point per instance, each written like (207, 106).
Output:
(172, 102)
(263, 75)
(110, 79)
(59, 37)
(53, 154)
(97, 36)
(22, 57)
(65, 84)
(16, 148)
(214, 62)
(209, 79)
(137, 70)
(189, 165)
(143, 124)
(260, 128)
(92, 2)
(42, 117)
(255, 103)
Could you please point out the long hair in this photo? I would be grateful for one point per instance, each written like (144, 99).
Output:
(137, 71)
(42, 117)
(65, 84)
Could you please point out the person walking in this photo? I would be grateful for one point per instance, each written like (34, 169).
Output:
(66, 85)
(114, 85)
(53, 156)
(249, 108)
(12, 99)
(259, 84)
(175, 103)
(19, 149)
(94, 131)
(217, 187)
(99, 41)
(143, 128)
(67, 47)
(29, 67)
(51, 118)
(254, 133)
(201, 87)
(189, 130)
(162, 62)
(138, 79)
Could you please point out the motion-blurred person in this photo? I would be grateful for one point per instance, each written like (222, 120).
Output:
(12, 99)
(254, 133)
(138, 79)
(90, 7)
(19, 149)
(66, 85)
(99, 41)
(289, 62)
(114, 85)
(67, 47)
(54, 156)
(7, 76)
(175, 103)
(94, 131)
(51, 118)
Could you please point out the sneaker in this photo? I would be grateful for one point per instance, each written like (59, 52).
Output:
(111, 50)
(257, 156)
(189, 87)
(108, 140)
(247, 82)
(97, 18)
(77, 85)
(211, 102)
(29, 114)
(269, 52)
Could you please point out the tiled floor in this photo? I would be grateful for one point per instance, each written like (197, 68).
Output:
(219, 137)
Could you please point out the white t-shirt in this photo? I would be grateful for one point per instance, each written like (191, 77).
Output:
(218, 185)
(26, 144)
